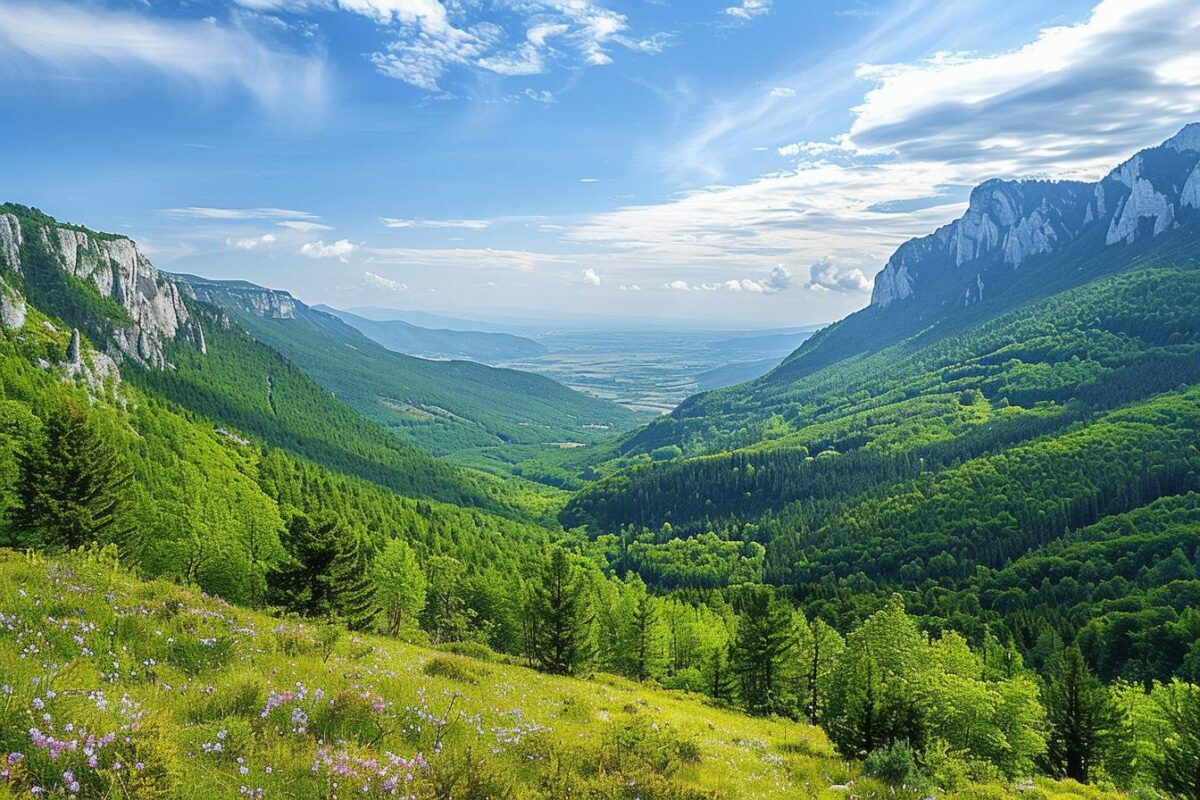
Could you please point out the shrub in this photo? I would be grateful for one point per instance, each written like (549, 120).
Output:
(454, 669)
(893, 763)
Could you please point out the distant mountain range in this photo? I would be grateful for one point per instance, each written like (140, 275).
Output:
(475, 345)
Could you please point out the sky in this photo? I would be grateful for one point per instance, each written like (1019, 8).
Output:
(746, 162)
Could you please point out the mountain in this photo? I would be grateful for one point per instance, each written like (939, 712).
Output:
(413, 340)
(446, 406)
(951, 444)
(1011, 225)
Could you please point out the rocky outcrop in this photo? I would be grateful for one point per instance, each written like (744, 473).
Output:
(118, 270)
(1008, 223)
(10, 241)
(12, 308)
(257, 300)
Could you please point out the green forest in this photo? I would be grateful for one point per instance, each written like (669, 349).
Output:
(969, 556)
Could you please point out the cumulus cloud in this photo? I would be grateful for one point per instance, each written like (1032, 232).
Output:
(342, 249)
(264, 242)
(378, 281)
(590, 277)
(825, 276)
(73, 41)
(749, 9)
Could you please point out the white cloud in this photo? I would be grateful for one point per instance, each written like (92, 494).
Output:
(73, 41)
(466, 224)
(430, 37)
(342, 249)
(1109, 79)
(783, 92)
(924, 133)
(544, 96)
(264, 242)
(590, 277)
(827, 276)
(589, 180)
(372, 279)
(749, 9)
(204, 212)
(303, 226)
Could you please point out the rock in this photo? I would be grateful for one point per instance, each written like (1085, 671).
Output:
(10, 242)
(257, 300)
(119, 271)
(1190, 197)
(73, 354)
(1143, 203)
(1007, 223)
(12, 308)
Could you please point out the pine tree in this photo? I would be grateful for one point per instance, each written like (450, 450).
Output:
(351, 584)
(72, 487)
(647, 639)
(557, 613)
(302, 583)
(765, 637)
(1082, 715)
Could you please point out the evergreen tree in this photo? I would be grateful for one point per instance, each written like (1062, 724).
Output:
(73, 485)
(818, 654)
(1082, 715)
(350, 579)
(400, 585)
(647, 639)
(447, 617)
(557, 614)
(302, 583)
(765, 639)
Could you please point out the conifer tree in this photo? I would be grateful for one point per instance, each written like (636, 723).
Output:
(73, 485)
(1082, 715)
(302, 583)
(765, 638)
(350, 580)
(557, 614)
(647, 639)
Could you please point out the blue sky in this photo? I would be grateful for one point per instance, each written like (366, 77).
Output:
(752, 162)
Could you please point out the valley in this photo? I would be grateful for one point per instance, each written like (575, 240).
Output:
(948, 546)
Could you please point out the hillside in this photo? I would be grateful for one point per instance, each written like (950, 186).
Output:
(941, 448)
(445, 406)
(403, 337)
(148, 690)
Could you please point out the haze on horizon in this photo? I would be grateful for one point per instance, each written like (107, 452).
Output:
(750, 163)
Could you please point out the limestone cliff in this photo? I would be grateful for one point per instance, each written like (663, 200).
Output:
(1008, 223)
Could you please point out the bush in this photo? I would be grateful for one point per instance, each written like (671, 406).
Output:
(893, 763)
(454, 669)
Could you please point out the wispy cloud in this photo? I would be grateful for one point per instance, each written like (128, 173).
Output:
(467, 224)
(748, 10)
(923, 132)
(290, 217)
(264, 242)
(50, 38)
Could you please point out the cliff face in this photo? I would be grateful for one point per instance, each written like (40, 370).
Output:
(1007, 223)
(119, 271)
(258, 300)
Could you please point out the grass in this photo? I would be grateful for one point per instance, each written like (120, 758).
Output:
(114, 687)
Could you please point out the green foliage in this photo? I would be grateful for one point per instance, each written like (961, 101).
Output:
(399, 585)
(557, 614)
(1083, 718)
(73, 484)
